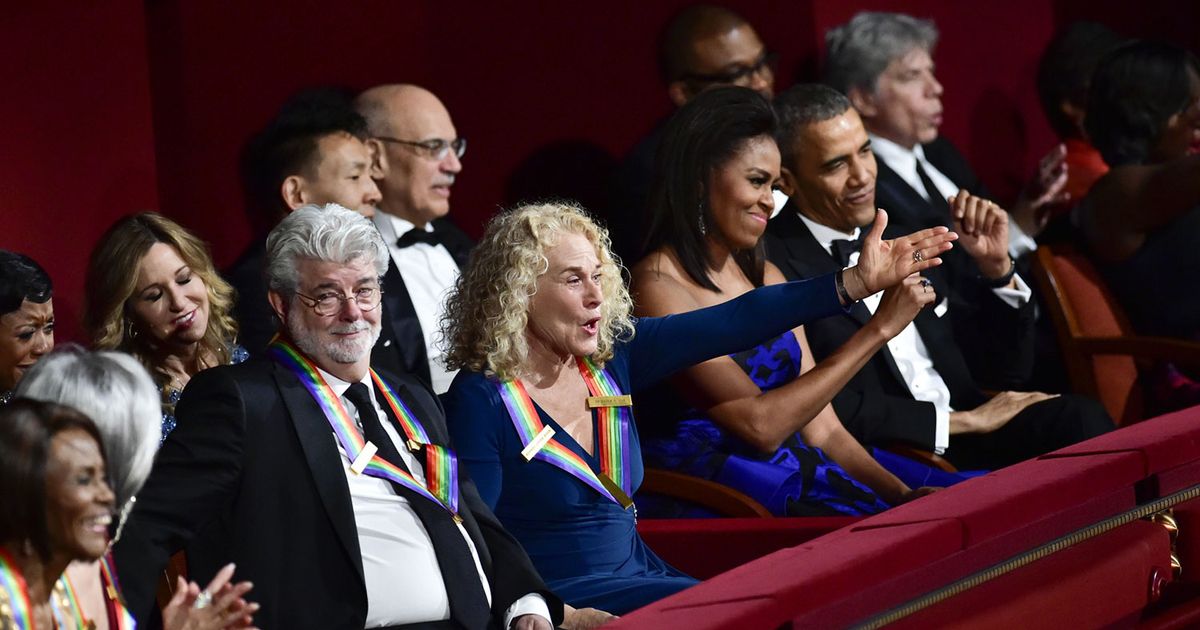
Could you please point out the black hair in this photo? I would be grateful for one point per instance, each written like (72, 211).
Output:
(1135, 91)
(701, 137)
(26, 429)
(1066, 67)
(21, 279)
(802, 105)
(288, 146)
(696, 22)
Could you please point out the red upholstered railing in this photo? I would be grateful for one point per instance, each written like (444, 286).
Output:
(1060, 538)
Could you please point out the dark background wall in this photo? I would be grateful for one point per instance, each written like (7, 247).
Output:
(143, 105)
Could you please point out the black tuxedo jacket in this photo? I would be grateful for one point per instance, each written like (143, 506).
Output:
(256, 320)
(401, 345)
(252, 475)
(876, 406)
(971, 298)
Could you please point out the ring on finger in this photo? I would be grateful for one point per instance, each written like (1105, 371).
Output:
(925, 282)
(918, 256)
(203, 600)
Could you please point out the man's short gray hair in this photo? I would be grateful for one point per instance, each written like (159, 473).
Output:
(117, 393)
(857, 52)
(328, 233)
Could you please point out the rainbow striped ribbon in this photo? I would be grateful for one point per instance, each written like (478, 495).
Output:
(112, 594)
(442, 465)
(72, 617)
(612, 426)
(525, 420)
(17, 594)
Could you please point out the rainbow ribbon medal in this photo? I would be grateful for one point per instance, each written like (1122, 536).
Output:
(614, 413)
(64, 605)
(14, 593)
(442, 465)
(112, 592)
(539, 443)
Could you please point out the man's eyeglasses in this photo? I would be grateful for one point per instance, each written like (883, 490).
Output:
(739, 74)
(367, 298)
(434, 149)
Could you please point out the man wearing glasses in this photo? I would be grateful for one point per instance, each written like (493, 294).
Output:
(701, 48)
(416, 156)
(332, 486)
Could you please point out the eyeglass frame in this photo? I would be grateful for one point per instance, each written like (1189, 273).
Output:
(433, 148)
(342, 298)
(765, 61)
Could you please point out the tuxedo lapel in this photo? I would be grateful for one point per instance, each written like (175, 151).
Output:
(903, 204)
(324, 461)
(401, 319)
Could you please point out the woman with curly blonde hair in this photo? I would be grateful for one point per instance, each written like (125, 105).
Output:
(540, 326)
(152, 291)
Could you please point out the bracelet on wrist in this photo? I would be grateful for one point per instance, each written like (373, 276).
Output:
(1003, 281)
(840, 283)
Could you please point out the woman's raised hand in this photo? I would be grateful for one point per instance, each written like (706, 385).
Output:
(885, 263)
(901, 303)
(217, 607)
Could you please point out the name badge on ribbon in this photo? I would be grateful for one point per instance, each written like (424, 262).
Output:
(364, 458)
(624, 400)
(537, 443)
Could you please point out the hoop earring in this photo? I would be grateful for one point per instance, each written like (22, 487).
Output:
(130, 331)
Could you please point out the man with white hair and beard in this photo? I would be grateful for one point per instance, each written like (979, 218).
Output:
(332, 487)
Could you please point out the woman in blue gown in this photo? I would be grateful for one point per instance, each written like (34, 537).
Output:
(758, 421)
(540, 327)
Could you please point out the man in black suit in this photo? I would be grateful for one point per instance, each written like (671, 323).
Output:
(919, 388)
(416, 154)
(312, 152)
(883, 63)
(261, 472)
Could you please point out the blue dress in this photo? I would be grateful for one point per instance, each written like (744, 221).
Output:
(171, 395)
(795, 480)
(585, 546)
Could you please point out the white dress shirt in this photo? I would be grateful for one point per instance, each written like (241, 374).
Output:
(904, 163)
(429, 272)
(907, 347)
(404, 582)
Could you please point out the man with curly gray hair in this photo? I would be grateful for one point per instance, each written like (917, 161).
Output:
(391, 534)
(884, 63)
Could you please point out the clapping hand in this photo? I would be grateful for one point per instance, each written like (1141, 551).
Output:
(1047, 189)
(218, 606)
(901, 303)
(983, 232)
(885, 263)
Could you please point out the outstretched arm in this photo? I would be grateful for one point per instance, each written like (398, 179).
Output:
(765, 419)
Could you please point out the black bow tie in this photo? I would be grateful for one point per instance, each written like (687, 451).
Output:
(418, 235)
(842, 248)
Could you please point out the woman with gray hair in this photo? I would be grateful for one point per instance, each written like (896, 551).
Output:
(540, 325)
(118, 395)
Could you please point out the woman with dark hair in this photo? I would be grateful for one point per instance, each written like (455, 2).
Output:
(26, 318)
(152, 291)
(760, 419)
(1141, 221)
(57, 508)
